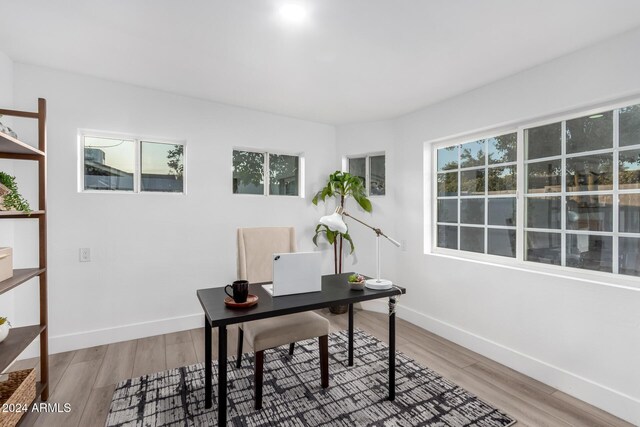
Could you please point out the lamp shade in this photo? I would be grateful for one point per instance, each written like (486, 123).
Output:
(334, 222)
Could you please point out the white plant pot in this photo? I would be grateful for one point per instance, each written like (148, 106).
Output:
(4, 331)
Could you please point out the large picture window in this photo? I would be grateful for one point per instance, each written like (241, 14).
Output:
(129, 164)
(579, 194)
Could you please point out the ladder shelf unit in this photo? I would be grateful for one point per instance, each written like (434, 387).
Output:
(20, 337)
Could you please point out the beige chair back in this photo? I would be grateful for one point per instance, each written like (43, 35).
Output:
(256, 247)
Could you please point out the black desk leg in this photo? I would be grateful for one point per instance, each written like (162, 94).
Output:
(208, 401)
(392, 349)
(350, 334)
(222, 375)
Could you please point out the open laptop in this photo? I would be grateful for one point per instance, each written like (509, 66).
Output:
(296, 273)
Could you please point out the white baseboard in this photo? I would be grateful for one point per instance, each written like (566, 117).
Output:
(612, 401)
(85, 339)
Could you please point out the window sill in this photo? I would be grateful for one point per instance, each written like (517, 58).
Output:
(172, 193)
(594, 277)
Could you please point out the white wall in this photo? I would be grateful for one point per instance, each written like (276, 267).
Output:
(151, 252)
(581, 337)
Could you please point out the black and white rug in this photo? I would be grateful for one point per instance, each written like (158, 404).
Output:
(293, 397)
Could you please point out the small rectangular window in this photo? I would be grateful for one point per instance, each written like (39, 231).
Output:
(371, 169)
(358, 167)
(162, 167)
(377, 175)
(248, 172)
(283, 175)
(251, 167)
(109, 164)
(129, 164)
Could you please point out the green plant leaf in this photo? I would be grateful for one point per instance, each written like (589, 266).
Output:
(13, 200)
(364, 203)
(347, 237)
(331, 236)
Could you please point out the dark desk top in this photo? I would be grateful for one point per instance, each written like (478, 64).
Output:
(335, 291)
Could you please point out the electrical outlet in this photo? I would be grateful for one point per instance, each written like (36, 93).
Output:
(85, 255)
(403, 245)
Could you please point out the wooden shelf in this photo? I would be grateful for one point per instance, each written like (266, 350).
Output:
(20, 276)
(15, 343)
(10, 145)
(18, 214)
(20, 338)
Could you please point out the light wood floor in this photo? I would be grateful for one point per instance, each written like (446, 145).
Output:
(86, 378)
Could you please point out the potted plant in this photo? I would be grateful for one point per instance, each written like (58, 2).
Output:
(340, 186)
(356, 282)
(5, 325)
(10, 198)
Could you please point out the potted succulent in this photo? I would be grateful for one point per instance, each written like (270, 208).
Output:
(5, 325)
(10, 198)
(340, 186)
(356, 282)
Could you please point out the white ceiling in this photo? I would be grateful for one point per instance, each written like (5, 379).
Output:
(353, 60)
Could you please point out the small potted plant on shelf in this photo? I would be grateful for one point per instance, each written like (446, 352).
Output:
(10, 198)
(356, 282)
(5, 325)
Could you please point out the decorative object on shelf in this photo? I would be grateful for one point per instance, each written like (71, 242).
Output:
(335, 223)
(341, 186)
(10, 198)
(356, 282)
(18, 391)
(6, 129)
(6, 263)
(5, 326)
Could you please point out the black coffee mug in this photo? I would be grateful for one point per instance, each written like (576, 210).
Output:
(240, 290)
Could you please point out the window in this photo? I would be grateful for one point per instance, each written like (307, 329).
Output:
(371, 169)
(579, 194)
(127, 164)
(250, 168)
(476, 196)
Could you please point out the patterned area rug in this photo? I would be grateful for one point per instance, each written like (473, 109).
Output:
(293, 397)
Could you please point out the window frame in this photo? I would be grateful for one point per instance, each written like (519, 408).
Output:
(137, 171)
(367, 169)
(265, 172)
(519, 262)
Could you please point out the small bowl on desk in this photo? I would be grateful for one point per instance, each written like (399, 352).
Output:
(356, 282)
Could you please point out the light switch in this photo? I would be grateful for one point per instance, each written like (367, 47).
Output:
(85, 255)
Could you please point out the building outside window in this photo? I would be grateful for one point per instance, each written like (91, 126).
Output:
(577, 204)
(129, 164)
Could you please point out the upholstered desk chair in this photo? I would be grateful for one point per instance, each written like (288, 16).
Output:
(256, 247)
